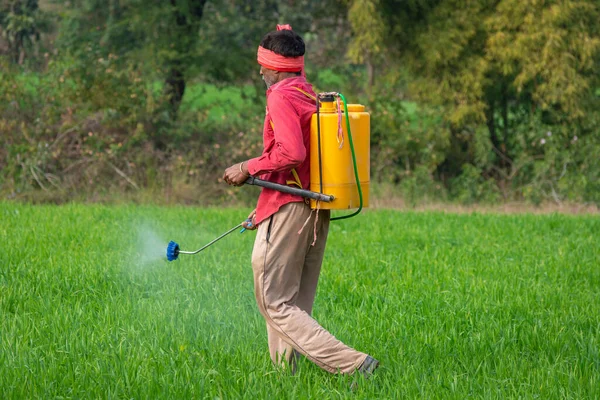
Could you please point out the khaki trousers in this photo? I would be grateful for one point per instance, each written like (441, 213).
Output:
(286, 271)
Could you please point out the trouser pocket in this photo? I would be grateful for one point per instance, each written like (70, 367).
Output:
(269, 228)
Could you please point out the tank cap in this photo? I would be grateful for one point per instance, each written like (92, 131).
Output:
(326, 98)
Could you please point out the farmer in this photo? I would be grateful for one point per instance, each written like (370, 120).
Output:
(290, 242)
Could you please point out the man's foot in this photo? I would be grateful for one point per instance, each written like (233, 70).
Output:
(288, 364)
(366, 369)
(368, 366)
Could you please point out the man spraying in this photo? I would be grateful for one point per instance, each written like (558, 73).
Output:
(290, 241)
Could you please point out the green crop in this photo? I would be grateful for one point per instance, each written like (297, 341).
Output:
(454, 306)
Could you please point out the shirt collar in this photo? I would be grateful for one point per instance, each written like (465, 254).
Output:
(287, 82)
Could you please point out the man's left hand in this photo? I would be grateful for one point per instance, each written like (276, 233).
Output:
(237, 174)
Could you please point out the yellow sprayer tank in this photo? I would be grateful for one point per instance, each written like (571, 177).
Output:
(336, 157)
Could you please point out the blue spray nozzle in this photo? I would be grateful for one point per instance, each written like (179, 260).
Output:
(172, 251)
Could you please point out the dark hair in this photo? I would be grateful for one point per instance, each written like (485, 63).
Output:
(285, 43)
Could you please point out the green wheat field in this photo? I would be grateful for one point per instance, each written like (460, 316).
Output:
(453, 305)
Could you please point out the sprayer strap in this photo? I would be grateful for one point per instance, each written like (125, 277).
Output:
(296, 177)
(305, 93)
(296, 180)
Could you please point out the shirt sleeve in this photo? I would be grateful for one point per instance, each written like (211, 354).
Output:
(288, 151)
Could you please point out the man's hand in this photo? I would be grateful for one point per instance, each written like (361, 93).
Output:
(252, 224)
(237, 174)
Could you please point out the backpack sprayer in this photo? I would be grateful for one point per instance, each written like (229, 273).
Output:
(340, 170)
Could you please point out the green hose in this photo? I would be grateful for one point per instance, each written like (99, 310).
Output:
(360, 195)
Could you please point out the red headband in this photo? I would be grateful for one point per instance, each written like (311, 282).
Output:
(274, 61)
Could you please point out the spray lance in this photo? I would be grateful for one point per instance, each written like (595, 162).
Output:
(173, 250)
(328, 173)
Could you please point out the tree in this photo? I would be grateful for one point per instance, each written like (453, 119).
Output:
(21, 24)
(163, 35)
(370, 30)
(496, 66)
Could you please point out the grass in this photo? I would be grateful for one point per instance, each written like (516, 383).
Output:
(454, 306)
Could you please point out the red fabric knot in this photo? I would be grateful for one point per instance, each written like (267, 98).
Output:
(284, 27)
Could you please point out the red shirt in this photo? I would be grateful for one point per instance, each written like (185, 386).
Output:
(286, 142)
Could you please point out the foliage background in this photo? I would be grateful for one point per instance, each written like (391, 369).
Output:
(472, 102)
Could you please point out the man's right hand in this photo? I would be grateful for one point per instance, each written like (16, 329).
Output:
(250, 223)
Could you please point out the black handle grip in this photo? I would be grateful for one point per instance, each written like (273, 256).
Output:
(291, 190)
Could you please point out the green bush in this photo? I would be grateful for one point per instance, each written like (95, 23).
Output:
(99, 128)
(420, 187)
(405, 137)
(471, 187)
